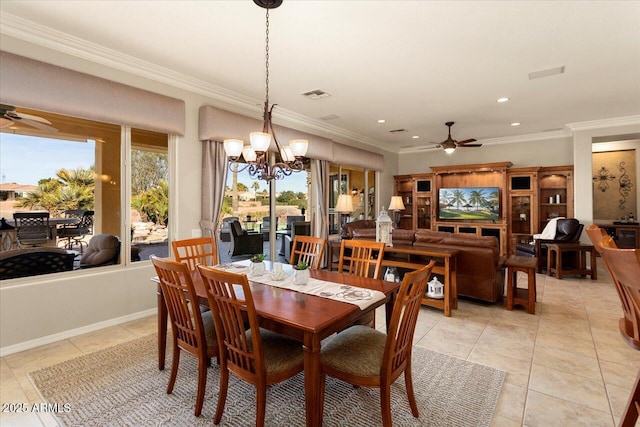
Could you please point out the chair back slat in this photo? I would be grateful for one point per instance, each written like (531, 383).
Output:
(308, 249)
(624, 267)
(361, 257)
(230, 295)
(403, 321)
(177, 289)
(199, 250)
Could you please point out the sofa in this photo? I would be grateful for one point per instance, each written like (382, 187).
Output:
(480, 268)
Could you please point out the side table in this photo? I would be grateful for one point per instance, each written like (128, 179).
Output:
(516, 296)
(554, 260)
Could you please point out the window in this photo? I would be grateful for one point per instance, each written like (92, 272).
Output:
(81, 167)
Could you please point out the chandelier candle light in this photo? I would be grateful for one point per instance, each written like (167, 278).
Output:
(255, 154)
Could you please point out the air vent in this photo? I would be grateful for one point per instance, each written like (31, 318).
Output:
(316, 94)
(329, 117)
(397, 130)
(546, 73)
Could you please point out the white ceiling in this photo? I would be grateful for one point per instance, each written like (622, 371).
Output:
(416, 64)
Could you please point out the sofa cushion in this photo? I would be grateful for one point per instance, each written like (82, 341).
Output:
(364, 233)
(403, 237)
(347, 229)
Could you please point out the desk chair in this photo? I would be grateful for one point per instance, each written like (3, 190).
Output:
(258, 356)
(366, 357)
(192, 330)
(32, 228)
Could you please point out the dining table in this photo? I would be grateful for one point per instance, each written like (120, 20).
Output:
(301, 316)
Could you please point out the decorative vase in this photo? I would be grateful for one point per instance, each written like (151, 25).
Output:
(257, 268)
(301, 277)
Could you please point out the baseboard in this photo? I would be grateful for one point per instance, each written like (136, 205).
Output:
(5, 351)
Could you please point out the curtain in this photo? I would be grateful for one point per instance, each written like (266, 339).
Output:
(320, 209)
(214, 180)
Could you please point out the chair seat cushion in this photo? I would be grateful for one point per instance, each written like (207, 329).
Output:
(280, 352)
(357, 350)
(209, 330)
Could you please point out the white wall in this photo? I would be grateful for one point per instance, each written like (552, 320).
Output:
(547, 152)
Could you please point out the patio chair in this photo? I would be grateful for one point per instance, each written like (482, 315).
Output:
(225, 230)
(75, 233)
(32, 228)
(265, 227)
(244, 243)
(366, 357)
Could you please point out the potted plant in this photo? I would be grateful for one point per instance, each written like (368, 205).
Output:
(301, 273)
(257, 267)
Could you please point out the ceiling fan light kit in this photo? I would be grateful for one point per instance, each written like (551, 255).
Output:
(449, 145)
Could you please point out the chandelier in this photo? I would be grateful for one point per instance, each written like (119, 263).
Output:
(255, 154)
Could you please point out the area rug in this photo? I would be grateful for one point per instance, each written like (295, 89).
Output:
(122, 386)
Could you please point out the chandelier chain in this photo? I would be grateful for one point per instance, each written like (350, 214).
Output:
(267, 59)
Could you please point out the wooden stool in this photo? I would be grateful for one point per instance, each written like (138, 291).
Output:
(525, 297)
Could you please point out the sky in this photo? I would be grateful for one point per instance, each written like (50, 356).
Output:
(26, 159)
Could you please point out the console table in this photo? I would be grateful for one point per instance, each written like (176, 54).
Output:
(413, 258)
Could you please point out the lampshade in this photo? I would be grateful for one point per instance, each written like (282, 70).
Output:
(396, 204)
(299, 147)
(260, 141)
(345, 204)
(233, 147)
(286, 154)
(248, 154)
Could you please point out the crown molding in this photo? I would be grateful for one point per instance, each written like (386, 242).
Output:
(555, 134)
(47, 37)
(604, 123)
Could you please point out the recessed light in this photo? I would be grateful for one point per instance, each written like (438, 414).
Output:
(415, 137)
(503, 99)
(382, 121)
(515, 124)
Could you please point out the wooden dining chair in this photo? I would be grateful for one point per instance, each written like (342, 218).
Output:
(258, 356)
(307, 249)
(198, 250)
(624, 267)
(366, 357)
(193, 331)
(361, 257)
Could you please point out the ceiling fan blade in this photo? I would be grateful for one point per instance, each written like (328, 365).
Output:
(31, 117)
(466, 141)
(470, 145)
(36, 124)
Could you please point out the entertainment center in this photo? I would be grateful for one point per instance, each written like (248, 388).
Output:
(486, 199)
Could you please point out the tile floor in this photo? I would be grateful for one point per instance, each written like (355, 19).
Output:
(566, 366)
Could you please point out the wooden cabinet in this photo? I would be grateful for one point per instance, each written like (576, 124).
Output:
(522, 208)
(404, 189)
(555, 189)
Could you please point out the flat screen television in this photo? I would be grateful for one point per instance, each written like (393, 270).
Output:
(469, 203)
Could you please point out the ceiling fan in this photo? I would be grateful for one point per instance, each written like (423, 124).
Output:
(9, 116)
(451, 144)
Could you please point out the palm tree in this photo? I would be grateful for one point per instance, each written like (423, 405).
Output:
(476, 197)
(458, 198)
(255, 187)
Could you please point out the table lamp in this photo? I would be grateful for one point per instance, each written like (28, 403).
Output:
(344, 206)
(396, 206)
